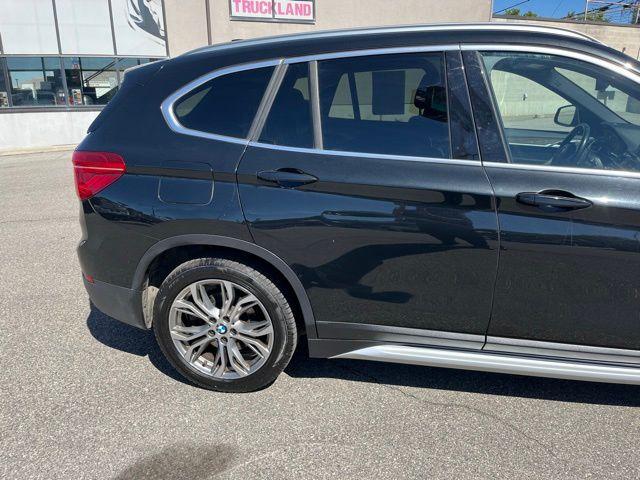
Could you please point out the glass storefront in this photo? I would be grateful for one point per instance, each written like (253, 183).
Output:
(90, 80)
(35, 81)
(73, 53)
(80, 27)
(44, 82)
(4, 90)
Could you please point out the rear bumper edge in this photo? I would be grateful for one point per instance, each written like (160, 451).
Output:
(120, 303)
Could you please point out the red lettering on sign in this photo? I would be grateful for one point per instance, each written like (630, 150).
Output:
(294, 9)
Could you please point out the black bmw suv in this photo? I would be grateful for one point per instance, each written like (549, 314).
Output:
(462, 196)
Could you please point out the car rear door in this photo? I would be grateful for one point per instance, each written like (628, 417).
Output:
(570, 241)
(355, 181)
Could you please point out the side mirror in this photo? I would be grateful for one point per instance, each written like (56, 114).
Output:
(566, 116)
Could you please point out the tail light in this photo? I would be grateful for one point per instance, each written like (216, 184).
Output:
(94, 171)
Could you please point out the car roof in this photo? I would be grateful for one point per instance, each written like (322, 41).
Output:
(354, 33)
(200, 61)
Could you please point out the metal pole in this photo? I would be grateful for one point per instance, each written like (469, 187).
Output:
(166, 28)
(586, 9)
(113, 29)
(55, 22)
(207, 9)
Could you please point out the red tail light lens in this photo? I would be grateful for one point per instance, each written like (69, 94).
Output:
(94, 171)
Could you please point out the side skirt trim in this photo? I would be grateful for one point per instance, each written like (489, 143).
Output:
(563, 350)
(383, 334)
(497, 363)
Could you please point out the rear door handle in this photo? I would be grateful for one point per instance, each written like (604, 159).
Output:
(553, 198)
(287, 177)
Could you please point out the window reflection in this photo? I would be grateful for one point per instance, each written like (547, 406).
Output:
(35, 81)
(4, 91)
(91, 80)
(27, 81)
(125, 63)
(388, 104)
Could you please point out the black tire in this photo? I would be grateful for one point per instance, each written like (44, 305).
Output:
(250, 278)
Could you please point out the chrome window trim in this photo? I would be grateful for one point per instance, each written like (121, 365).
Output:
(174, 124)
(383, 156)
(255, 130)
(624, 69)
(445, 47)
(314, 97)
(172, 120)
(568, 170)
(267, 100)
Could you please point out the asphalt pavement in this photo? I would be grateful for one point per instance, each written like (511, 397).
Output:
(85, 397)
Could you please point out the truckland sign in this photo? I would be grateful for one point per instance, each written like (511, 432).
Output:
(299, 11)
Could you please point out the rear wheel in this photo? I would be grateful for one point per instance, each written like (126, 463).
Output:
(224, 325)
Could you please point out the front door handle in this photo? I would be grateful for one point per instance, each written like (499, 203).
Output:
(287, 177)
(553, 198)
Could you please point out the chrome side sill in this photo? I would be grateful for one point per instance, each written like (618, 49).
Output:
(562, 351)
(497, 363)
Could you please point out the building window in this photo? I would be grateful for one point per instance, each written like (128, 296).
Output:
(28, 27)
(139, 27)
(91, 80)
(4, 90)
(40, 81)
(35, 81)
(85, 27)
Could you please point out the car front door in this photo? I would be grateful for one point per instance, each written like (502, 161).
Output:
(569, 214)
(387, 219)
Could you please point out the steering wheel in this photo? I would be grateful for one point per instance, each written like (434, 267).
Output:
(570, 154)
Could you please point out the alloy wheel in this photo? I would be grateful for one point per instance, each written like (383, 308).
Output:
(221, 329)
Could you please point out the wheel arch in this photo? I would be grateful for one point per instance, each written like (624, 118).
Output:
(239, 246)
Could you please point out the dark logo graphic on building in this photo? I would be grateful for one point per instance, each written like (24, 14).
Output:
(145, 16)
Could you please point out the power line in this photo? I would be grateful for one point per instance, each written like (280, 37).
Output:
(557, 7)
(507, 8)
(608, 10)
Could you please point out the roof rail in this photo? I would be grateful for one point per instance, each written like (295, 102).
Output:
(519, 27)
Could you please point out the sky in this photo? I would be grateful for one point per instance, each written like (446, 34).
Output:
(544, 8)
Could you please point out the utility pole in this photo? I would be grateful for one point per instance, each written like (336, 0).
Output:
(586, 9)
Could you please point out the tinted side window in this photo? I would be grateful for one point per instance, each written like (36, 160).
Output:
(225, 105)
(526, 104)
(565, 112)
(390, 104)
(289, 121)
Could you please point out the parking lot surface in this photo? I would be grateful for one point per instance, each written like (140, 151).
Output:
(83, 396)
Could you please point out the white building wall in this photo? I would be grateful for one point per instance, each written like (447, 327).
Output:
(625, 38)
(43, 129)
(333, 14)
